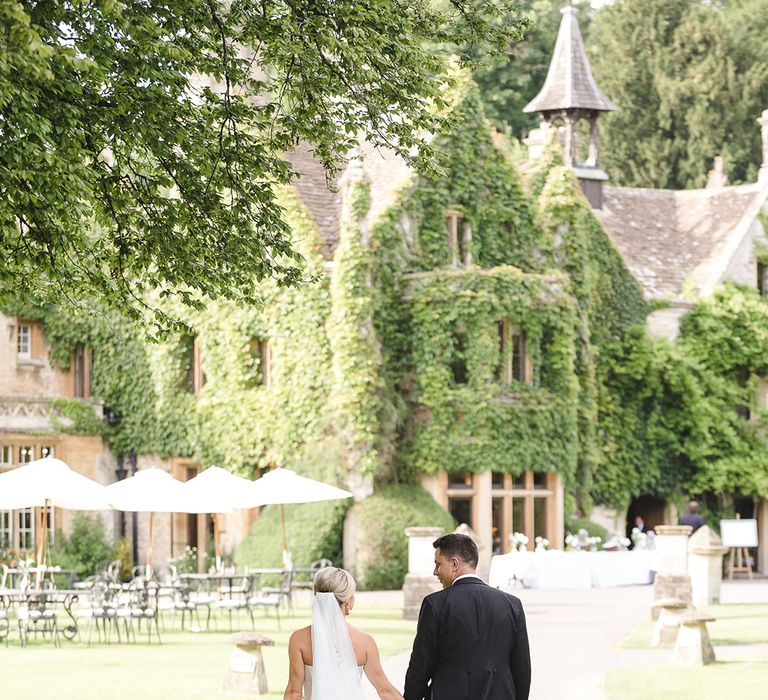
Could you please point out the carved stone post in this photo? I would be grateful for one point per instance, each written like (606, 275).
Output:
(419, 581)
(672, 579)
(705, 565)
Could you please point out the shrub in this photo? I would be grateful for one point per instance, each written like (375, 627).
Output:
(124, 553)
(86, 550)
(313, 532)
(573, 526)
(382, 518)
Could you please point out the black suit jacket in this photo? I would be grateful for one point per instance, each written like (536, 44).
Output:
(472, 644)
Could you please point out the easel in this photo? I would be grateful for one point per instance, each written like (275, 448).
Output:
(741, 555)
(741, 565)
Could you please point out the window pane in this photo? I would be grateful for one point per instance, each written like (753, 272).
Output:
(47, 451)
(518, 515)
(540, 517)
(26, 529)
(497, 526)
(460, 480)
(26, 454)
(539, 480)
(518, 482)
(6, 533)
(6, 454)
(497, 478)
(518, 356)
(458, 361)
(461, 510)
(501, 333)
(24, 338)
(78, 370)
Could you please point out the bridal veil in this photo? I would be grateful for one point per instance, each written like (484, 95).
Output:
(335, 675)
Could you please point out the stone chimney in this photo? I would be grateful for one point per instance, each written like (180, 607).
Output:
(716, 178)
(763, 122)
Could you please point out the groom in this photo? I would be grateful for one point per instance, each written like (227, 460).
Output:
(471, 640)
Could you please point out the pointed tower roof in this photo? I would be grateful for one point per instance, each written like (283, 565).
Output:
(569, 83)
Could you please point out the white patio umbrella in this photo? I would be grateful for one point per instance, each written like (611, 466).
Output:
(49, 482)
(283, 486)
(152, 491)
(219, 491)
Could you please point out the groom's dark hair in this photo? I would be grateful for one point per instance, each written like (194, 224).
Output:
(458, 545)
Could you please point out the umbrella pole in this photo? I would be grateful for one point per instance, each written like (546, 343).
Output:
(149, 549)
(41, 543)
(217, 542)
(282, 524)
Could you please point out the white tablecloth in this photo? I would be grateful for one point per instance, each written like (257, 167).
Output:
(557, 569)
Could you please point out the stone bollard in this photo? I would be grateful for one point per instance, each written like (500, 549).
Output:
(705, 565)
(693, 647)
(672, 579)
(419, 581)
(670, 610)
(246, 664)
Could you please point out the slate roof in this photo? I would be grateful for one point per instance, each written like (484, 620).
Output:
(315, 193)
(668, 236)
(569, 83)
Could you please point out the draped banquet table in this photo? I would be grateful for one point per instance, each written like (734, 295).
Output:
(557, 569)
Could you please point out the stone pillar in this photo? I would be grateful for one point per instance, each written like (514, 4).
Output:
(672, 579)
(483, 517)
(419, 581)
(762, 529)
(763, 122)
(705, 565)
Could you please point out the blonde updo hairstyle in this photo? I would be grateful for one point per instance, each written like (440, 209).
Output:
(336, 581)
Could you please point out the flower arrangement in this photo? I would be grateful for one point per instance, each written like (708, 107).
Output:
(639, 539)
(594, 543)
(572, 543)
(518, 541)
(542, 543)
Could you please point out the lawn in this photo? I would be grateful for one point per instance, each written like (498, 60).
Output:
(741, 624)
(186, 665)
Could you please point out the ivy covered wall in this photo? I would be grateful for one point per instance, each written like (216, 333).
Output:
(363, 380)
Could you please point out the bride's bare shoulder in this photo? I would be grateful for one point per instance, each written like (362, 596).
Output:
(301, 641)
(302, 637)
(359, 636)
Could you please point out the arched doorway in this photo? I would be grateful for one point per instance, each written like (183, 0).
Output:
(649, 508)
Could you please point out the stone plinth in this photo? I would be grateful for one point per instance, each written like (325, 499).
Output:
(246, 673)
(693, 647)
(669, 612)
(672, 580)
(672, 547)
(667, 586)
(705, 565)
(415, 589)
(419, 581)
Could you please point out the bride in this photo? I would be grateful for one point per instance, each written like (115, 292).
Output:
(327, 659)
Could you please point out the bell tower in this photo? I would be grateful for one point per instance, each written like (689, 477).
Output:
(569, 95)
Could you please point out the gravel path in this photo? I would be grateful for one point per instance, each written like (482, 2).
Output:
(575, 636)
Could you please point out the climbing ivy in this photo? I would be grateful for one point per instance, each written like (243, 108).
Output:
(388, 368)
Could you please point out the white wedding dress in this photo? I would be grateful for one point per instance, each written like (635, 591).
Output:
(308, 680)
(334, 674)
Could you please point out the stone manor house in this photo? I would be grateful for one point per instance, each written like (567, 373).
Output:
(668, 240)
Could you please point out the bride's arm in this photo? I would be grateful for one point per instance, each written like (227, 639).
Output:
(295, 686)
(376, 674)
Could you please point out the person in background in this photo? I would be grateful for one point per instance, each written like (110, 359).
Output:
(640, 524)
(693, 517)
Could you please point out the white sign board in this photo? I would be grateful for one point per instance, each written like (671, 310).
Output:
(738, 533)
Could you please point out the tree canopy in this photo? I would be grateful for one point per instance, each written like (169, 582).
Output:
(689, 78)
(142, 140)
